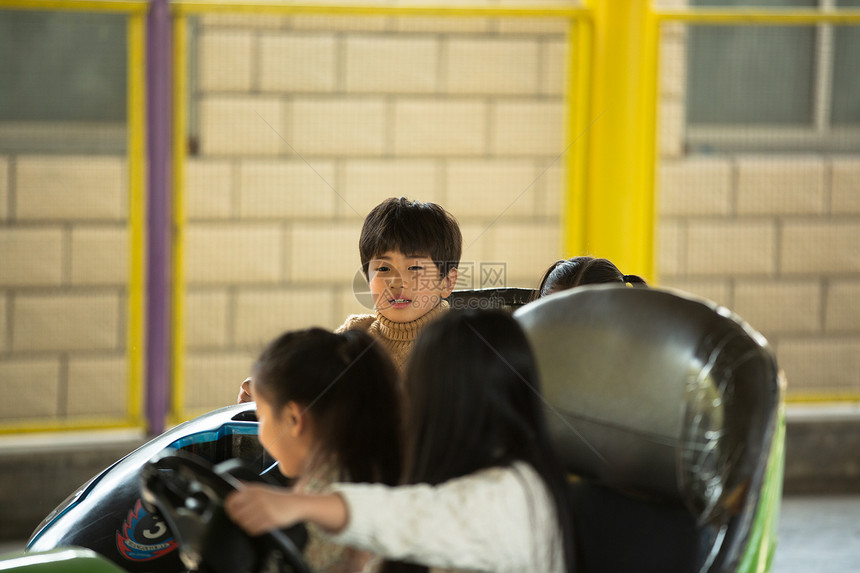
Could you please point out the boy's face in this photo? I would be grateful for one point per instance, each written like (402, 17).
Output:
(406, 287)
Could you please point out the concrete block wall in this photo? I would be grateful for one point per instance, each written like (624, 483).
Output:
(305, 123)
(775, 237)
(63, 287)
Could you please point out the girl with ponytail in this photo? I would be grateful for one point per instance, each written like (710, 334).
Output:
(579, 271)
(328, 411)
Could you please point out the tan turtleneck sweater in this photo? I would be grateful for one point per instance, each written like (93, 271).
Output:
(397, 337)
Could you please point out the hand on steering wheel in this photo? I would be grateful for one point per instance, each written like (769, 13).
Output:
(189, 494)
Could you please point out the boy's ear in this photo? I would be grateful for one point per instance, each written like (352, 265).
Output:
(449, 282)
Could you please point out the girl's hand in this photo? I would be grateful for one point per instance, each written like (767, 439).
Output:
(259, 508)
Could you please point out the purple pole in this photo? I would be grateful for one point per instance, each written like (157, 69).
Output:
(158, 259)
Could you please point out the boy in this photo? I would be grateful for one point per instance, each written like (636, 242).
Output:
(409, 253)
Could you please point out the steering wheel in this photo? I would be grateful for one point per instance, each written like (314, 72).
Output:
(189, 494)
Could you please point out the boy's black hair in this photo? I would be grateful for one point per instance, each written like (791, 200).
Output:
(413, 228)
(349, 386)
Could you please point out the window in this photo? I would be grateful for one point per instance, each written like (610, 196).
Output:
(62, 82)
(773, 88)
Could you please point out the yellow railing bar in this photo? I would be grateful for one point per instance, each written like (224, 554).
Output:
(619, 213)
(111, 6)
(759, 16)
(136, 154)
(284, 8)
(179, 107)
(795, 398)
(136, 129)
(57, 425)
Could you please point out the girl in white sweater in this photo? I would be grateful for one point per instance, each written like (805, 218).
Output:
(482, 489)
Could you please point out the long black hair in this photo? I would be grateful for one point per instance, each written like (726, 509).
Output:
(349, 386)
(472, 401)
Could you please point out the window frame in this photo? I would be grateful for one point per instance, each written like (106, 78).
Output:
(820, 136)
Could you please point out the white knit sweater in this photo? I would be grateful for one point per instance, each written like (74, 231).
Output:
(499, 520)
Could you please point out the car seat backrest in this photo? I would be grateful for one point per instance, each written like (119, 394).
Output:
(659, 396)
(507, 298)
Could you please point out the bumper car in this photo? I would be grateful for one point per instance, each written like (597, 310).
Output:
(667, 411)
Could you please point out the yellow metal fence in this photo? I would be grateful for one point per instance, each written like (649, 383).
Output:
(28, 394)
(607, 162)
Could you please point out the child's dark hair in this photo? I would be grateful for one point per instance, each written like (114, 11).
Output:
(578, 271)
(413, 228)
(472, 401)
(349, 386)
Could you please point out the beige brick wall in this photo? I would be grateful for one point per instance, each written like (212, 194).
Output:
(34, 384)
(226, 60)
(520, 247)
(4, 323)
(846, 186)
(553, 73)
(338, 126)
(820, 365)
(774, 237)
(99, 256)
(475, 188)
(451, 127)
(333, 115)
(366, 182)
(842, 306)
(242, 125)
(304, 63)
(825, 247)
(777, 239)
(286, 189)
(207, 318)
(64, 272)
(731, 248)
(696, 187)
(96, 386)
(775, 186)
(464, 112)
(262, 315)
(32, 256)
(77, 188)
(4, 188)
(209, 188)
(324, 253)
(780, 306)
(212, 379)
(234, 253)
(538, 126)
(400, 64)
(490, 66)
(305, 123)
(66, 322)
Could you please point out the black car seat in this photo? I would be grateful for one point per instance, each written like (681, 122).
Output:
(665, 408)
(507, 298)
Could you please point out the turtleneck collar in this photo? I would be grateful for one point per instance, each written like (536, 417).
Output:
(408, 331)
